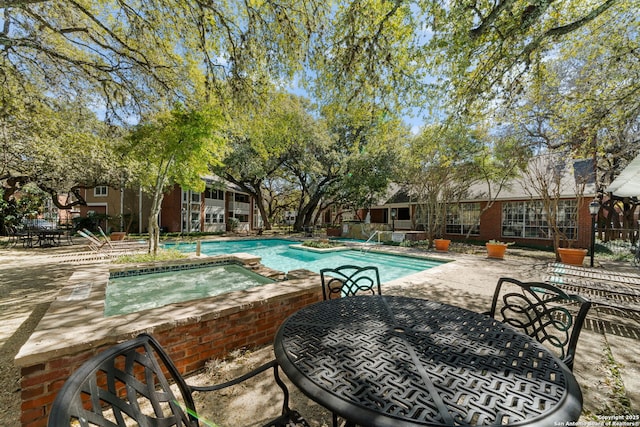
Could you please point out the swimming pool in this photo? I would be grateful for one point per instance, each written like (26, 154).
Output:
(132, 292)
(279, 255)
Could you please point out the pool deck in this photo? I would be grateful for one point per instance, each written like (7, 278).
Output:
(606, 366)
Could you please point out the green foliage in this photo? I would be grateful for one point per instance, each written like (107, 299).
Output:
(440, 164)
(422, 244)
(174, 147)
(319, 244)
(27, 205)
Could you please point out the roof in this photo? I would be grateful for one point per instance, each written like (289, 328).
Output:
(627, 184)
(222, 184)
(572, 173)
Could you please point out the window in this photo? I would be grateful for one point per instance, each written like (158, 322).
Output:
(195, 197)
(100, 191)
(463, 218)
(241, 198)
(529, 219)
(403, 213)
(240, 217)
(212, 193)
(214, 218)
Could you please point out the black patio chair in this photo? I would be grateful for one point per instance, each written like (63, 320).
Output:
(543, 312)
(130, 382)
(17, 235)
(349, 280)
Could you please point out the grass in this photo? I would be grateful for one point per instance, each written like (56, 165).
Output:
(162, 255)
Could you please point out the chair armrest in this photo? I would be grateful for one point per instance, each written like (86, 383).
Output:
(287, 413)
(238, 380)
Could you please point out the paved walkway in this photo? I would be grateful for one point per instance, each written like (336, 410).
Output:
(607, 365)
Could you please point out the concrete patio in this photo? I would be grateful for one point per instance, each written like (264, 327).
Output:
(606, 367)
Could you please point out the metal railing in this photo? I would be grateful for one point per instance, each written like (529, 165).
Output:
(369, 243)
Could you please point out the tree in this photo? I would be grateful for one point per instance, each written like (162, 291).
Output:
(57, 146)
(124, 55)
(551, 178)
(371, 51)
(174, 147)
(499, 158)
(486, 50)
(261, 141)
(327, 170)
(280, 196)
(371, 143)
(438, 169)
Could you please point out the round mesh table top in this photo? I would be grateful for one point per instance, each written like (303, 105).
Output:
(396, 361)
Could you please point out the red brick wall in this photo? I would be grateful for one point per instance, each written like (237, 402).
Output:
(189, 345)
(491, 228)
(172, 210)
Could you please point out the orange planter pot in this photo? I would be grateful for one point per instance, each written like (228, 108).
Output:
(117, 235)
(442, 245)
(572, 256)
(496, 250)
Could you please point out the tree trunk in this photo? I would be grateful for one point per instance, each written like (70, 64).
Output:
(154, 228)
(266, 223)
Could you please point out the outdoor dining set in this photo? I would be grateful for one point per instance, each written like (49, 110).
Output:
(372, 360)
(30, 236)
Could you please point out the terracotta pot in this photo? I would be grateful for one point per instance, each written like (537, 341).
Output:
(496, 250)
(442, 245)
(572, 256)
(117, 235)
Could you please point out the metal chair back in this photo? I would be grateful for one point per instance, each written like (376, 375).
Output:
(129, 384)
(125, 383)
(543, 312)
(349, 280)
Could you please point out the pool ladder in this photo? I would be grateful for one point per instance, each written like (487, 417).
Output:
(364, 245)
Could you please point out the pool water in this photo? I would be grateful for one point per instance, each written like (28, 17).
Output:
(278, 255)
(145, 291)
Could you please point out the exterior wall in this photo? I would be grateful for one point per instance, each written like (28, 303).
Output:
(170, 215)
(490, 224)
(214, 207)
(135, 217)
(189, 345)
(491, 228)
(130, 216)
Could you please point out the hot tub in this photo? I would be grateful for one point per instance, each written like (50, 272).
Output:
(143, 289)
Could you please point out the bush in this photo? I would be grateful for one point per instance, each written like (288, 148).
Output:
(319, 244)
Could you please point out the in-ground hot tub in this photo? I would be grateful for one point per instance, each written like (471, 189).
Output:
(134, 290)
(193, 332)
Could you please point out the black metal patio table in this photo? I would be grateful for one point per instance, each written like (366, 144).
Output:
(49, 237)
(398, 361)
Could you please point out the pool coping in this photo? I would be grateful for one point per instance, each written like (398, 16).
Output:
(75, 320)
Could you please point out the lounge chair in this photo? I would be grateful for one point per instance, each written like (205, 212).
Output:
(95, 244)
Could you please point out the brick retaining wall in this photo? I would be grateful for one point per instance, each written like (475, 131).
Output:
(190, 345)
